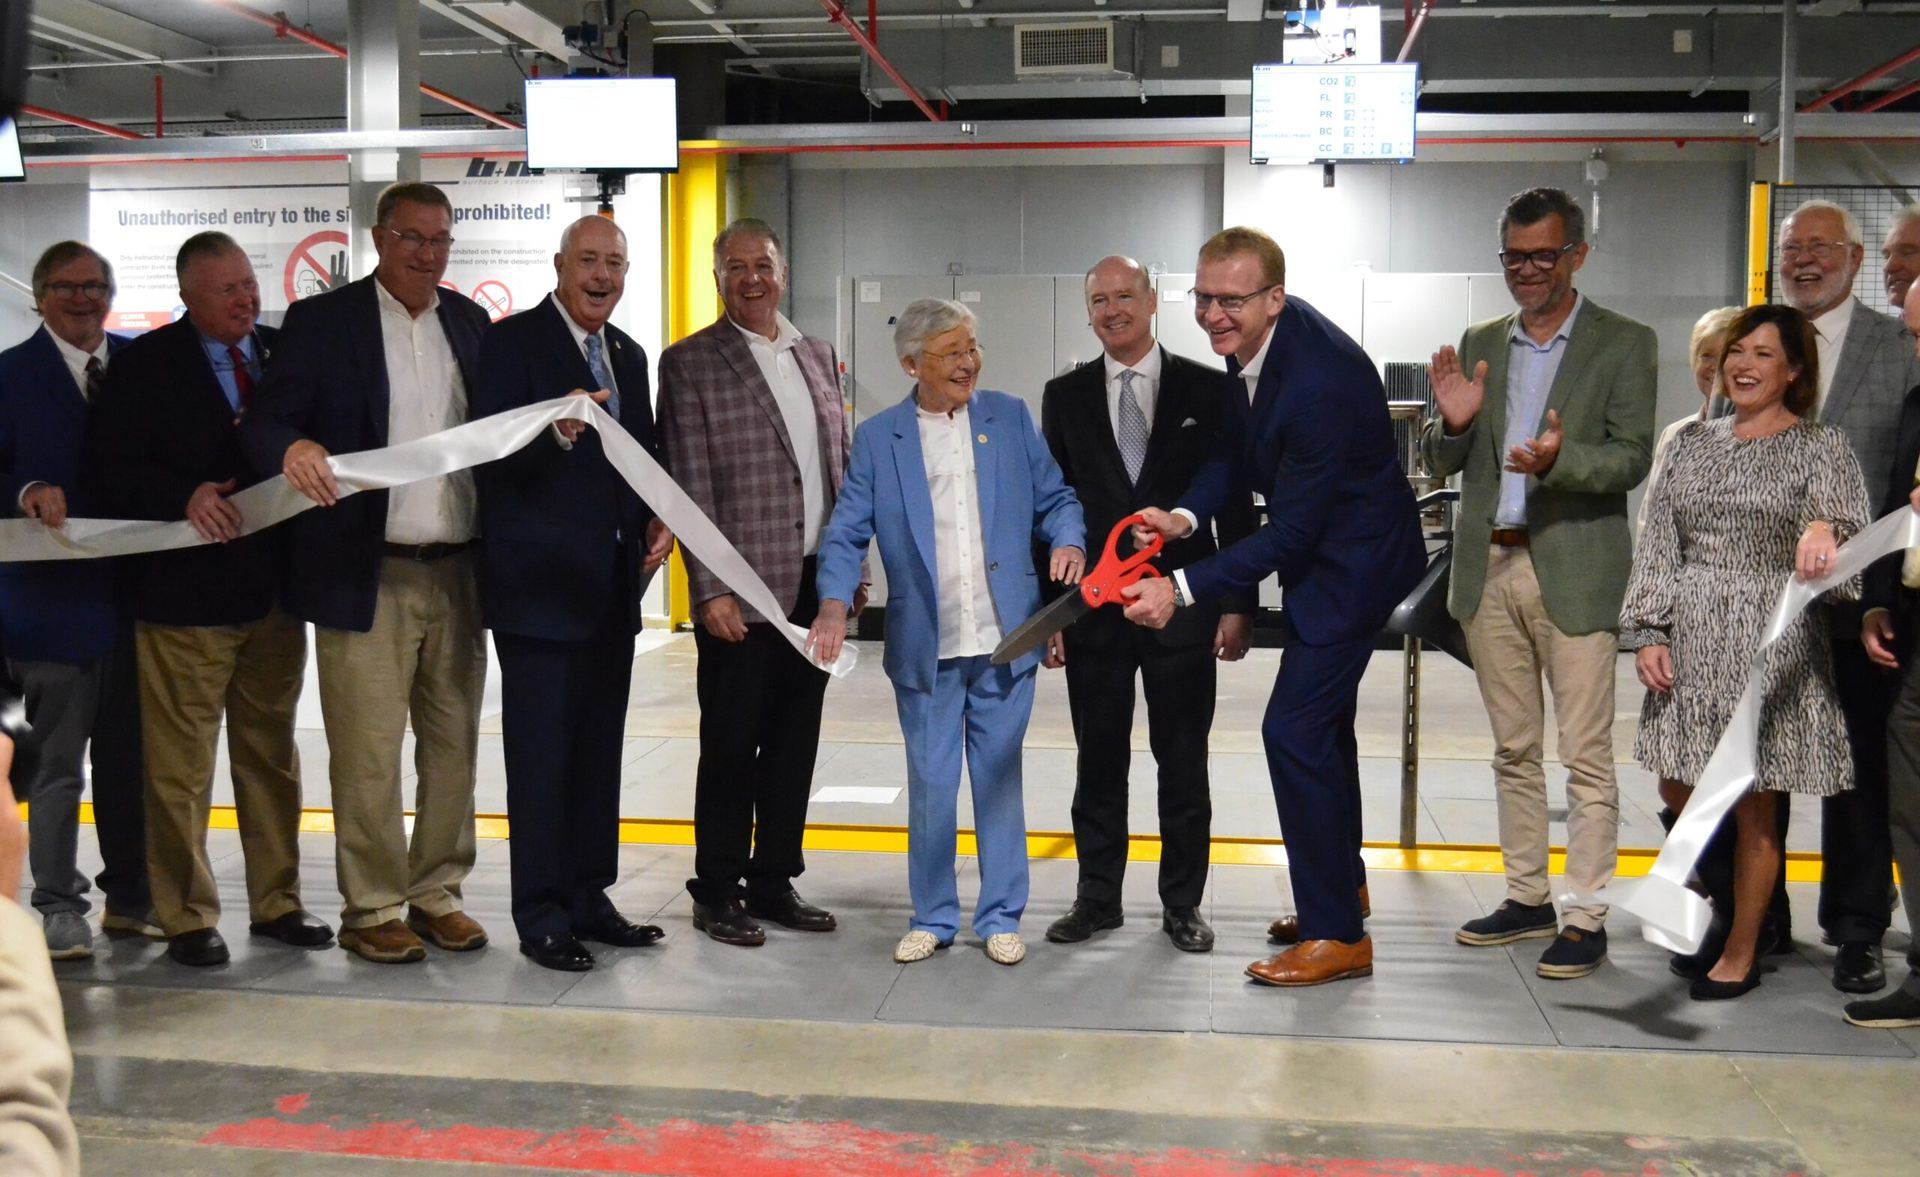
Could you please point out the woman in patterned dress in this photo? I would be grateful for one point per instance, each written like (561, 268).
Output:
(1745, 501)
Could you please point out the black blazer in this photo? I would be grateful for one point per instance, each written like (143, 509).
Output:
(161, 428)
(1188, 414)
(564, 531)
(1881, 588)
(328, 382)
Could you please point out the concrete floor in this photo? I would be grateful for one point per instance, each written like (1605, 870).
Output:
(817, 1055)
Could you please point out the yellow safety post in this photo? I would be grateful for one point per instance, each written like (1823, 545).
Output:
(692, 214)
(1759, 247)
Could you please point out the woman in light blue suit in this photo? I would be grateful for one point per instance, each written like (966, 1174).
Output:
(955, 483)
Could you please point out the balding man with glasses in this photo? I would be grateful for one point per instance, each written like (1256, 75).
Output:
(1547, 415)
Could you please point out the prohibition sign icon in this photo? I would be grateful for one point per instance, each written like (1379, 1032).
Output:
(494, 298)
(316, 264)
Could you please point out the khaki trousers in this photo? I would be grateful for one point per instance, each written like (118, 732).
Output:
(424, 658)
(1513, 643)
(189, 677)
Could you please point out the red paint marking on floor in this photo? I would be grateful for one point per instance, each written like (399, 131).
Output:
(292, 1105)
(689, 1149)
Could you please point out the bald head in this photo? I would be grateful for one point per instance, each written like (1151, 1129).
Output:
(590, 271)
(1120, 307)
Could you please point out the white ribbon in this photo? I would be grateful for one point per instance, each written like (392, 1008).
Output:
(459, 448)
(1673, 916)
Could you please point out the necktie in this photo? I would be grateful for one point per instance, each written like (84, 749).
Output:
(96, 379)
(597, 363)
(242, 378)
(1133, 427)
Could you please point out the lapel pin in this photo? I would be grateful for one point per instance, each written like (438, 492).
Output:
(981, 438)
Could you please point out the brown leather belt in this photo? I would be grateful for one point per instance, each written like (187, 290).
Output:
(426, 552)
(1509, 537)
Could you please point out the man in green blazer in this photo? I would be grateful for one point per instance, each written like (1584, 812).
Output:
(1547, 414)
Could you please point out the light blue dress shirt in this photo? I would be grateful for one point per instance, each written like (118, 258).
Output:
(223, 367)
(1531, 368)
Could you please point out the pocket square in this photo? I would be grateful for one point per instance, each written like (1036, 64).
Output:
(1187, 422)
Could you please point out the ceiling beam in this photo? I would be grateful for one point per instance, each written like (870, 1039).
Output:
(520, 21)
(472, 24)
(90, 28)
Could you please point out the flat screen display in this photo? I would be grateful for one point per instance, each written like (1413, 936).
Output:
(1333, 113)
(12, 167)
(602, 125)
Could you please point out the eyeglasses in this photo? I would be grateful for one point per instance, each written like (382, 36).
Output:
(1229, 303)
(953, 357)
(1543, 259)
(413, 243)
(93, 290)
(1824, 251)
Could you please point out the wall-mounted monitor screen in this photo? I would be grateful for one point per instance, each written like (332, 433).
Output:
(12, 167)
(602, 125)
(1333, 113)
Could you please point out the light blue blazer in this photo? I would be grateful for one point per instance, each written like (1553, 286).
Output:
(1023, 498)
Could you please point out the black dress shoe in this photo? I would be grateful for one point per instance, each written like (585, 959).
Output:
(298, 928)
(563, 953)
(1188, 931)
(1082, 920)
(200, 948)
(791, 911)
(1706, 989)
(728, 923)
(1857, 969)
(619, 931)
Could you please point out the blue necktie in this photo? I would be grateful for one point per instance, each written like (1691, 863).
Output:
(597, 364)
(1133, 427)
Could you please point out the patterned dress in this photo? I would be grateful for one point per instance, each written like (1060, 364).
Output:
(1719, 543)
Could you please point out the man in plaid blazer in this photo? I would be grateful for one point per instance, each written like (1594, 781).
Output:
(1866, 367)
(754, 431)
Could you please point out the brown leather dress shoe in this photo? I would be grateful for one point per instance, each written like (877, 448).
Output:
(455, 931)
(1315, 962)
(1286, 929)
(388, 943)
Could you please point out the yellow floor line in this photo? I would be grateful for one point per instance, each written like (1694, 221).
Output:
(1803, 866)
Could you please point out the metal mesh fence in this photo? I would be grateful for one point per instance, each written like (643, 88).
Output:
(1873, 205)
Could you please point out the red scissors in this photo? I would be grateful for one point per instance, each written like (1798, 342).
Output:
(1100, 586)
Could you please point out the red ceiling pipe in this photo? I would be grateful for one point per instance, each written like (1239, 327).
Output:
(74, 120)
(1891, 97)
(1416, 22)
(1878, 71)
(837, 13)
(281, 28)
(873, 21)
(159, 107)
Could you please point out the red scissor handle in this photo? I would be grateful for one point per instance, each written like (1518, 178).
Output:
(1102, 584)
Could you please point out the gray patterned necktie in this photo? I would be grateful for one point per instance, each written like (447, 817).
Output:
(597, 363)
(1133, 427)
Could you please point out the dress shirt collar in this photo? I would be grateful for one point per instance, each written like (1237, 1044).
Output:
(1250, 371)
(579, 333)
(1149, 365)
(1833, 324)
(1517, 333)
(784, 337)
(75, 357)
(393, 306)
(214, 347)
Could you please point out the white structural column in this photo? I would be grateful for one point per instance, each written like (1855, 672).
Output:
(1789, 84)
(383, 94)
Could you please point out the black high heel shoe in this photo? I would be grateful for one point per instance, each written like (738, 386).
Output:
(1707, 989)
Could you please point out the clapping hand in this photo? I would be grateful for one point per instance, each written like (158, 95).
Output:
(1457, 396)
(1536, 455)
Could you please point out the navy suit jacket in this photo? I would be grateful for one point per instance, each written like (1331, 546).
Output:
(328, 382)
(885, 498)
(1342, 533)
(565, 533)
(162, 427)
(52, 611)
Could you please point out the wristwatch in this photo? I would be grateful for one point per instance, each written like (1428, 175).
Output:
(1179, 598)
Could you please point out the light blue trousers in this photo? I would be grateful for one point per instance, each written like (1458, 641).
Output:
(982, 709)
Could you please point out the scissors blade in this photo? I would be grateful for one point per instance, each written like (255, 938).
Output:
(1033, 633)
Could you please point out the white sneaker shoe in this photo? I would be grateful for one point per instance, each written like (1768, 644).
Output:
(1006, 948)
(915, 946)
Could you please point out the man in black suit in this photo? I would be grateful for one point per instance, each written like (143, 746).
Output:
(211, 638)
(569, 548)
(1129, 430)
(388, 578)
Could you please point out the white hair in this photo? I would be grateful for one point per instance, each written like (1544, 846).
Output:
(1848, 225)
(925, 318)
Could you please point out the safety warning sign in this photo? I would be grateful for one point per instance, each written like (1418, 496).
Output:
(494, 298)
(316, 264)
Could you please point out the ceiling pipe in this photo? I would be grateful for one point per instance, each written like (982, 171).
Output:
(282, 28)
(1891, 97)
(1418, 22)
(1877, 72)
(159, 106)
(837, 13)
(74, 120)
